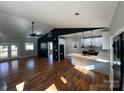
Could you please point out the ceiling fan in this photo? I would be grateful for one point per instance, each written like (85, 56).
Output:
(34, 34)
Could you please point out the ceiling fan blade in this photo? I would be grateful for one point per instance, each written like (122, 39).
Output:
(39, 35)
(33, 33)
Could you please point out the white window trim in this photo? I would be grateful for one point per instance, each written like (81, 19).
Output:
(32, 49)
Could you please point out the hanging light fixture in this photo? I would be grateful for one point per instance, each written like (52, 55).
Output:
(75, 46)
(91, 39)
(34, 34)
(100, 42)
(82, 46)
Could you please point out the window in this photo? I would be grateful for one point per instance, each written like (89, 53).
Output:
(29, 46)
(96, 41)
(87, 41)
(43, 46)
(3, 51)
(14, 50)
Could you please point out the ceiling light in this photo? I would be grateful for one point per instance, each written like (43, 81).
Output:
(76, 13)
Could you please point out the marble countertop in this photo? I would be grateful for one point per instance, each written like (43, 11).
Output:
(100, 57)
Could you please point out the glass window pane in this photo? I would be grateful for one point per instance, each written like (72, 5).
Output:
(13, 47)
(87, 42)
(3, 51)
(13, 53)
(96, 41)
(0, 48)
(14, 50)
(29, 46)
(4, 54)
(3, 48)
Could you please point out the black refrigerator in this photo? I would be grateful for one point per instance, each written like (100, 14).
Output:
(118, 63)
(61, 51)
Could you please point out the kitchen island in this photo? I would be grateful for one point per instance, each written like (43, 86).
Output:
(98, 63)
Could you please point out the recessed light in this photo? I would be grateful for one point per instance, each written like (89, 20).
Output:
(76, 13)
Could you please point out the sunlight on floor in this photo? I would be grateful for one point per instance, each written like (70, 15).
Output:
(63, 80)
(90, 67)
(20, 86)
(101, 60)
(52, 88)
(81, 69)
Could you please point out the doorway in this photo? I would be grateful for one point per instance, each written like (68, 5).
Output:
(8, 51)
(50, 52)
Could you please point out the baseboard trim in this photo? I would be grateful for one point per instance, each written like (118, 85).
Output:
(28, 56)
(17, 57)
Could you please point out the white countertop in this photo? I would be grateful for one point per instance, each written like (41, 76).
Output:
(100, 58)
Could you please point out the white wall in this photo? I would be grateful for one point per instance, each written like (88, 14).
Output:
(106, 40)
(21, 46)
(20, 42)
(14, 29)
(70, 42)
(118, 19)
(68, 46)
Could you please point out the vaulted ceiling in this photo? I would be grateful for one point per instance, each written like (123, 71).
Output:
(16, 17)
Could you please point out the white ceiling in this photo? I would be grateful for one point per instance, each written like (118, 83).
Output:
(14, 27)
(61, 14)
(84, 34)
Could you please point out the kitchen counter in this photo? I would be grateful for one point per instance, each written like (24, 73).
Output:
(98, 63)
(91, 57)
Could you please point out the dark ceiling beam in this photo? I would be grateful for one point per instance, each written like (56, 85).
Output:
(64, 31)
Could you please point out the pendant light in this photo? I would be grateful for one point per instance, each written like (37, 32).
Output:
(91, 39)
(82, 46)
(75, 46)
(100, 42)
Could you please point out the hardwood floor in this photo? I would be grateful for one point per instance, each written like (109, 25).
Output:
(39, 74)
